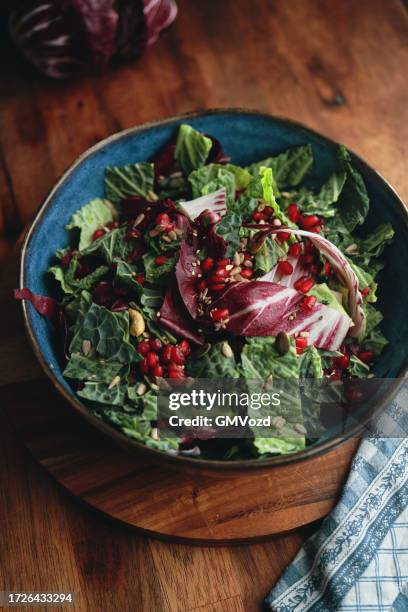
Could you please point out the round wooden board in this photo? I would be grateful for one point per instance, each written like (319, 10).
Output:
(166, 503)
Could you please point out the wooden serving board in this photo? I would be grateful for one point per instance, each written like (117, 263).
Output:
(136, 491)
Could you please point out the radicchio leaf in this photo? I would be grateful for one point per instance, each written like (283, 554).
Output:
(217, 155)
(174, 317)
(49, 308)
(260, 308)
(158, 15)
(341, 266)
(215, 202)
(186, 275)
(62, 39)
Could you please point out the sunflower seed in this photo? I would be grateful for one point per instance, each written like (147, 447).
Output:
(139, 219)
(141, 389)
(86, 347)
(237, 259)
(115, 381)
(278, 422)
(300, 429)
(226, 350)
(152, 197)
(172, 235)
(282, 343)
(247, 263)
(154, 434)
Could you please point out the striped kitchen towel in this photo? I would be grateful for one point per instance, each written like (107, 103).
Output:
(358, 560)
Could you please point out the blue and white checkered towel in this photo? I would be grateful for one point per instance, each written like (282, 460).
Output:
(358, 560)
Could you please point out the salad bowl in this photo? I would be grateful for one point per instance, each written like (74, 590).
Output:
(246, 136)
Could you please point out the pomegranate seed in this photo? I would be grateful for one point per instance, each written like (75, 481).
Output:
(309, 221)
(285, 267)
(156, 344)
(201, 285)
(144, 368)
(163, 219)
(295, 249)
(326, 271)
(301, 342)
(140, 278)
(98, 234)
(152, 359)
(283, 236)
(220, 273)
(184, 347)
(177, 374)
(207, 264)
(216, 287)
(247, 256)
(366, 356)
(112, 225)
(365, 291)
(342, 362)
(161, 260)
(268, 211)
(246, 273)
(177, 356)
(166, 354)
(223, 262)
(133, 234)
(218, 314)
(293, 212)
(308, 303)
(304, 284)
(158, 371)
(258, 216)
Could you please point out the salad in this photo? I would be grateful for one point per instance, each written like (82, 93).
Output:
(194, 267)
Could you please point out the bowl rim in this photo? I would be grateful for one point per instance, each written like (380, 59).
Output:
(129, 444)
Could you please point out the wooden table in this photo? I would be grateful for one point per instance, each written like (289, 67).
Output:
(340, 67)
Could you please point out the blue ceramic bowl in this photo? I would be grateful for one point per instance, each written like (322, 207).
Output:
(246, 136)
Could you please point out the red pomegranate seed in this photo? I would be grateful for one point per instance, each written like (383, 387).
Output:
(144, 367)
(223, 262)
(184, 347)
(98, 234)
(247, 256)
(301, 342)
(293, 212)
(309, 221)
(207, 264)
(219, 314)
(133, 234)
(342, 362)
(216, 287)
(246, 273)
(201, 285)
(140, 278)
(326, 271)
(176, 373)
(365, 291)
(166, 354)
(268, 211)
(316, 229)
(136, 254)
(156, 344)
(285, 267)
(283, 236)
(112, 225)
(158, 371)
(163, 219)
(220, 273)
(304, 284)
(152, 359)
(366, 356)
(161, 260)
(258, 216)
(177, 356)
(308, 303)
(143, 347)
(295, 249)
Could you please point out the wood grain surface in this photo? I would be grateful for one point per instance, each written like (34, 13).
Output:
(339, 67)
